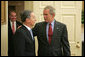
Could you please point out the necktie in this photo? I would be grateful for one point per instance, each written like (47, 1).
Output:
(31, 34)
(50, 33)
(13, 28)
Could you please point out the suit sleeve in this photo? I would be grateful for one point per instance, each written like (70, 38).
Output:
(65, 42)
(19, 43)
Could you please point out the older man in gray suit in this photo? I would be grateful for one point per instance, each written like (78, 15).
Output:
(52, 35)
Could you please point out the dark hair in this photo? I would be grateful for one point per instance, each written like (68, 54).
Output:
(25, 14)
(9, 11)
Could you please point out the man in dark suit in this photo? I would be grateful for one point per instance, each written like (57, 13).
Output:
(52, 35)
(12, 26)
(24, 44)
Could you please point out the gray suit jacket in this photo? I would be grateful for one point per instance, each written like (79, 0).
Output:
(59, 45)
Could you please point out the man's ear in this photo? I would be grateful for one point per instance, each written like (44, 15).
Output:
(27, 20)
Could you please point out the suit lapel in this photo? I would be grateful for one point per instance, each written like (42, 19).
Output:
(17, 24)
(27, 32)
(55, 31)
(9, 27)
(45, 32)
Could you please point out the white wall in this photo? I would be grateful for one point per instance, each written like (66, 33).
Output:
(4, 35)
(4, 40)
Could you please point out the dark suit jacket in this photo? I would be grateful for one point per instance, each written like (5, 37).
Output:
(59, 45)
(10, 37)
(24, 45)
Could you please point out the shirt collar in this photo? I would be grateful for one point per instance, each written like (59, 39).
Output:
(27, 27)
(11, 21)
(52, 23)
(14, 24)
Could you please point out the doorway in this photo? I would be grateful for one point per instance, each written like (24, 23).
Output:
(18, 6)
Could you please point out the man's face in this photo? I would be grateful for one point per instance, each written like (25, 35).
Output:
(32, 19)
(47, 16)
(12, 16)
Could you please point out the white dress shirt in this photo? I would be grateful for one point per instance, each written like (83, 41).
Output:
(47, 27)
(14, 24)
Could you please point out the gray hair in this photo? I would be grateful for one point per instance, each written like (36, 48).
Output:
(25, 14)
(51, 9)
